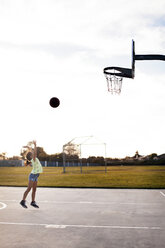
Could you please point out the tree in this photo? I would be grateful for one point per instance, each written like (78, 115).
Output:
(153, 155)
(3, 155)
(71, 149)
(41, 154)
(26, 148)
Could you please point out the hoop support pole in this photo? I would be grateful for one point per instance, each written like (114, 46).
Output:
(150, 57)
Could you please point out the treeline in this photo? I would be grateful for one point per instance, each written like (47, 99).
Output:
(152, 159)
(135, 162)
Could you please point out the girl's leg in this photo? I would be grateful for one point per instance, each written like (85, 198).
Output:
(30, 185)
(33, 203)
(34, 191)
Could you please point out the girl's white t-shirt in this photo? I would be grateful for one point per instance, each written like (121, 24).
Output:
(37, 167)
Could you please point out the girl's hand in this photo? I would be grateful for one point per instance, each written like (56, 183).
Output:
(27, 163)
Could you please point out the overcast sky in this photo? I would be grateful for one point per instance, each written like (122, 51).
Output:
(59, 48)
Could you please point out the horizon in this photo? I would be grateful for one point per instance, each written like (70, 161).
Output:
(95, 155)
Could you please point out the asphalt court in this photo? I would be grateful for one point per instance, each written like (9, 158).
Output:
(87, 218)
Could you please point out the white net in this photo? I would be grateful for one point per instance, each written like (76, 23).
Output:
(114, 83)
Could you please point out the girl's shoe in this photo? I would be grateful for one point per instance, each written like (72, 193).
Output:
(23, 204)
(33, 203)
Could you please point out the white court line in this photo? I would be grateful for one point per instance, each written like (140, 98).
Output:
(81, 226)
(162, 193)
(100, 203)
(89, 202)
(3, 205)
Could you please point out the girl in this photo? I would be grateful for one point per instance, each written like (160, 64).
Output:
(33, 161)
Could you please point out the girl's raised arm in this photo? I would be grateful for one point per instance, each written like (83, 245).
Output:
(35, 150)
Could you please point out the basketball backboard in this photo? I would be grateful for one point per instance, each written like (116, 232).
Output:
(133, 58)
(120, 71)
(114, 75)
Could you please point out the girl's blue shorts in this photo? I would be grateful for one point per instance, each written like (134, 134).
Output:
(33, 177)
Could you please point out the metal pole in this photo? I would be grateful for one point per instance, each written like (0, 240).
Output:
(63, 155)
(80, 160)
(105, 159)
(149, 57)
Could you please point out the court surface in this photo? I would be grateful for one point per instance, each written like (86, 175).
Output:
(102, 218)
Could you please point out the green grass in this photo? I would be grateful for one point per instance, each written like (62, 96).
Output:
(116, 177)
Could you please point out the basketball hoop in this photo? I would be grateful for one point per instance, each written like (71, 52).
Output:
(114, 83)
(114, 74)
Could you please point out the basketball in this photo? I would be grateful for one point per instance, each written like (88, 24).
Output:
(54, 102)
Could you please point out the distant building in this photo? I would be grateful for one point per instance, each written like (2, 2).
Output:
(138, 156)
